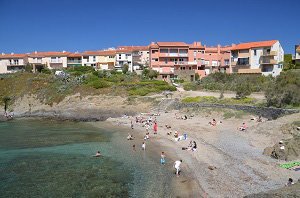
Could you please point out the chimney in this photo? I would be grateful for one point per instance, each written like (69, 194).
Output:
(12, 53)
(3, 53)
(35, 52)
(219, 50)
(64, 51)
(199, 43)
(152, 43)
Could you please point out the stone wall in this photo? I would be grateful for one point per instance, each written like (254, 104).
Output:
(267, 112)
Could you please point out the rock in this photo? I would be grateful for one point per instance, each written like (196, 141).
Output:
(268, 151)
(212, 167)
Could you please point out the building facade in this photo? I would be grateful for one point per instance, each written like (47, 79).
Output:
(296, 58)
(264, 57)
(107, 60)
(10, 63)
(50, 60)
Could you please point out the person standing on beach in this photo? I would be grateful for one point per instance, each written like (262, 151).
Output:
(133, 147)
(177, 167)
(162, 158)
(155, 128)
(131, 124)
(144, 146)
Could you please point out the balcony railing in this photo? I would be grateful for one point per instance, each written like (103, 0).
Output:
(180, 63)
(270, 53)
(268, 61)
(74, 61)
(56, 61)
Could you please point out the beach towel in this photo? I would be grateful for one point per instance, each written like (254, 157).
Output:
(289, 165)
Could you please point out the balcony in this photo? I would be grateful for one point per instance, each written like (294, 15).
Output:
(180, 63)
(56, 61)
(249, 71)
(268, 62)
(270, 53)
(74, 61)
(173, 55)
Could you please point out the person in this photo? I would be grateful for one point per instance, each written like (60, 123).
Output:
(133, 147)
(131, 124)
(129, 137)
(243, 127)
(177, 167)
(98, 154)
(290, 182)
(259, 119)
(143, 146)
(194, 146)
(155, 128)
(162, 158)
(176, 134)
(213, 122)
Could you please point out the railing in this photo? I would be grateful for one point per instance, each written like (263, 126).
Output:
(180, 63)
(183, 54)
(36, 61)
(56, 61)
(268, 61)
(271, 53)
(74, 61)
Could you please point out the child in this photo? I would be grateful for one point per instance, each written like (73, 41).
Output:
(162, 158)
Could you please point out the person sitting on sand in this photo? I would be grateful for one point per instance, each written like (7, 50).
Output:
(243, 127)
(168, 126)
(213, 122)
(98, 154)
(290, 182)
(259, 119)
(194, 146)
(176, 134)
(129, 137)
(162, 158)
(169, 133)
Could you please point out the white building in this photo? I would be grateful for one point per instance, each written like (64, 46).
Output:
(296, 58)
(90, 58)
(124, 57)
(10, 63)
(263, 57)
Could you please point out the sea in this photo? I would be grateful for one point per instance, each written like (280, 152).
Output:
(50, 158)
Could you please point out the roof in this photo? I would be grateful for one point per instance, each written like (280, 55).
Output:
(133, 48)
(172, 44)
(4, 56)
(99, 53)
(49, 54)
(75, 55)
(254, 45)
(107, 53)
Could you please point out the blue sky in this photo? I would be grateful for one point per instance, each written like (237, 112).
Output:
(73, 25)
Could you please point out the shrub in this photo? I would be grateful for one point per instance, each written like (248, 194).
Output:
(46, 71)
(284, 91)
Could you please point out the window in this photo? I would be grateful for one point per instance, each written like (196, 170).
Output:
(226, 61)
(155, 59)
(154, 51)
(94, 58)
(190, 68)
(166, 61)
(214, 63)
(255, 52)
(195, 59)
(164, 50)
(110, 56)
(199, 68)
(206, 62)
(128, 55)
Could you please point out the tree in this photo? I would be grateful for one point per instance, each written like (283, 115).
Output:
(6, 100)
(243, 90)
(197, 76)
(125, 68)
(28, 67)
(288, 62)
(153, 74)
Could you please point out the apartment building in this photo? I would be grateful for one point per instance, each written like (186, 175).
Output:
(177, 59)
(263, 57)
(217, 59)
(10, 63)
(74, 59)
(106, 60)
(296, 58)
(90, 58)
(124, 57)
(50, 60)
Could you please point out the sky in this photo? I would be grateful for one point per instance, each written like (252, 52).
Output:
(79, 25)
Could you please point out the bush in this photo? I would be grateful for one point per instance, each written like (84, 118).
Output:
(97, 84)
(243, 90)
(284, 91)
(46, 71)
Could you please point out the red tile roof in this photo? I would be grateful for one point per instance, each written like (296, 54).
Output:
(133, 48)
(75, 55)
(48, 54)
(172, 44)
(5, 56)
(254, 45)
(107, 53)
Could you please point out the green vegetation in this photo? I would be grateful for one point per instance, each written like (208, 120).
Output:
(211, 100)
(51, 89)
(284, 90)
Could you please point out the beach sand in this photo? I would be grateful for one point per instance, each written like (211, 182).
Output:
(239, 167)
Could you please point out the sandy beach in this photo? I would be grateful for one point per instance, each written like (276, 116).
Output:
(227, 162)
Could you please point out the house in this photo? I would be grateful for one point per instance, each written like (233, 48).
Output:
(296, 58)
(74, 59)
(10, 63)
(124, 57)
(140, 56)
(262, 57)
(50, 60)
(107, 59)
(90, 58)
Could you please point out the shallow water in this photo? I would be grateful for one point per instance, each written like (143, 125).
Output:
(46, 158)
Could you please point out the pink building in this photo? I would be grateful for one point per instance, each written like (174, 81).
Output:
(177, 59)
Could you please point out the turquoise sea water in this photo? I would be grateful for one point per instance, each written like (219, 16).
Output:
(46, 158)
